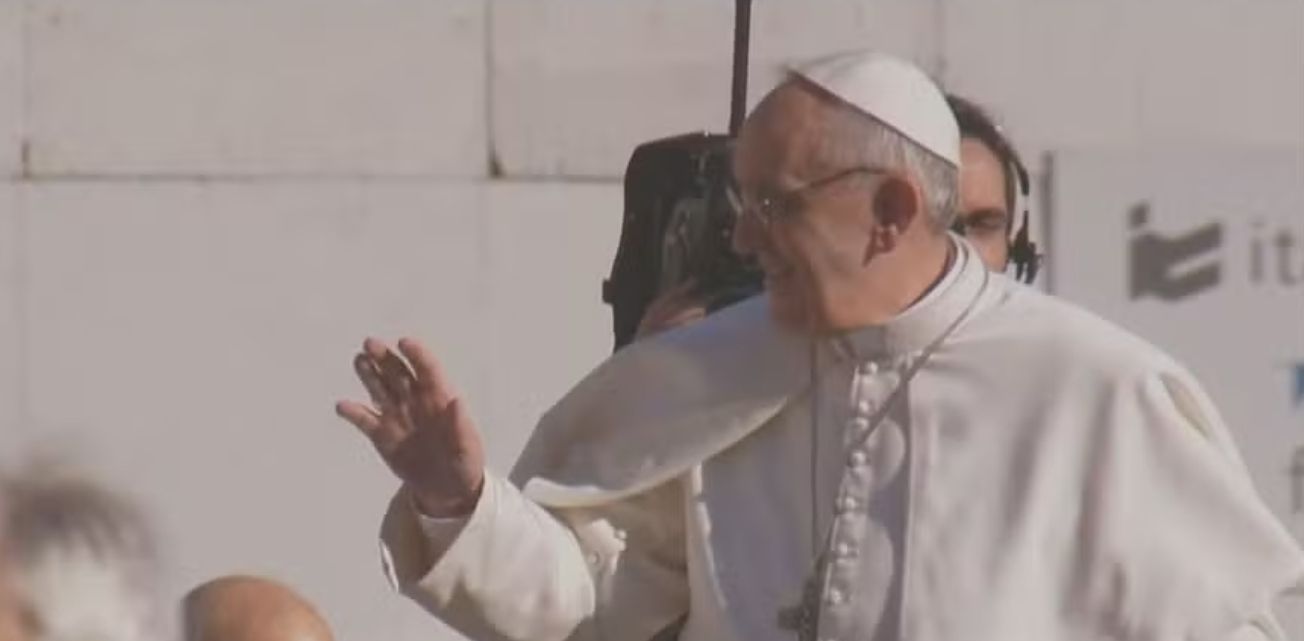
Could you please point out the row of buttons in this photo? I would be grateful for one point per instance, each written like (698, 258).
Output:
(847, 504)
(860, 423)
(858, 459)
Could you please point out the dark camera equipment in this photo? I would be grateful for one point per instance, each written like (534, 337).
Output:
(678, 220)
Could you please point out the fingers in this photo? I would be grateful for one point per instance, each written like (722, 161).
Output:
(678, 295)
(685, 316)
(362, 417)
(384, 432)
(394, 373)
(429, 375)
(684, 288)
(371, 379)
(653, 325)
(674, 308)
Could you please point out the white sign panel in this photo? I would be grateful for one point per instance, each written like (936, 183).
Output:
(1202, 254)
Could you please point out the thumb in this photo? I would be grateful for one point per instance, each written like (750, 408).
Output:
(464, 443)
(463, 436)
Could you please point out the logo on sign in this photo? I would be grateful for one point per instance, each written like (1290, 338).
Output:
(1295, 471)
(1297, 396)
(1275, 255)
(1170, 267)
(1175, 266)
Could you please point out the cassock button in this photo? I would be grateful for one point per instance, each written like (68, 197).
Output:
(869, 368)
(858, 459)
(593, 559)
(863, 407)
(843, 550)
(847, 504)
(836, 597)
(620, 535)
(860, 424)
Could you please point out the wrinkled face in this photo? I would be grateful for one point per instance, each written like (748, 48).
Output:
(984, 209)
(814, 239)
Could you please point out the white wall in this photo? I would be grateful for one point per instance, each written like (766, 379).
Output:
(219, 199)
(150, 87)
(192, 342)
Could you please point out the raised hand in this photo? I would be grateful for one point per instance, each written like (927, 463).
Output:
(418, 426)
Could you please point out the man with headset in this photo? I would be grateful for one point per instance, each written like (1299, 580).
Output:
(993, 182)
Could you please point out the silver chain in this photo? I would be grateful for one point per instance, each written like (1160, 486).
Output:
(811, 595)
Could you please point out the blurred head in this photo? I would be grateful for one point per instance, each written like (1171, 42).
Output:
(12, 622)
(846, 216)
(988, 184)
(244, 608)
(83, 559)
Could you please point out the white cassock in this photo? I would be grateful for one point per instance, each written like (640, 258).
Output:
(1043, 475)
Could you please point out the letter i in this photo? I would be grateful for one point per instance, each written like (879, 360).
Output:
(1256, 252)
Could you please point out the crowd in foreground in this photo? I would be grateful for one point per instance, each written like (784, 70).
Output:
(79, 562)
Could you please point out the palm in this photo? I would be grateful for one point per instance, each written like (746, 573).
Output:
(433, 439)
(418, 427)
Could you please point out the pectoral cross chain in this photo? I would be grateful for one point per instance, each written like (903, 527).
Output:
(803, 618)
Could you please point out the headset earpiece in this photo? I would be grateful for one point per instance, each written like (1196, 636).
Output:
(1022, 251)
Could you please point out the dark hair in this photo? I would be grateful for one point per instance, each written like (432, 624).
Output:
(976, 123)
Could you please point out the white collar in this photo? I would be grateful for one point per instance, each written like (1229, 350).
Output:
(916, 327)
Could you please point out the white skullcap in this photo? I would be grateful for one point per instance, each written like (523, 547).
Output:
(892, 91)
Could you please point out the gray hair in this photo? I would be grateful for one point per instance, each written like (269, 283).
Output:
(853, 138)
(85, 560)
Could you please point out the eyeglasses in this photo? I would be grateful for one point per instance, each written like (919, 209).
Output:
(771, 208)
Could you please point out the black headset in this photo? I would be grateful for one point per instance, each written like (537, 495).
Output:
(975, 123)
(1022, 251)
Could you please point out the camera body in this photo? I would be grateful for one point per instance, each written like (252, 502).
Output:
(677, 227)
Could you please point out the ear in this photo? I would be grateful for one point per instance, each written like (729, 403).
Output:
(882, 240)
(897, 204)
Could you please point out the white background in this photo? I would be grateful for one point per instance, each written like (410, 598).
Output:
(206, 204)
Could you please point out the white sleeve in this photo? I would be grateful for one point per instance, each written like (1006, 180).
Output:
(1264, 628)
(516, 571)
(1208, 552)
(440, 531)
